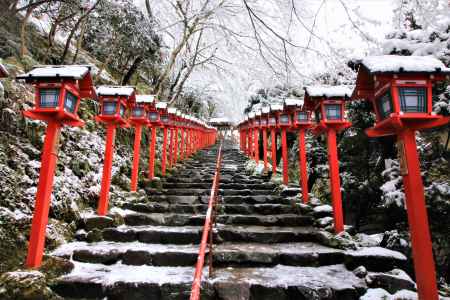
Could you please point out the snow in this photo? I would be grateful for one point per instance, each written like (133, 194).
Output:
(172, 110)
(145, 98)
(105, 90)
(377, 252)
(258, 113)
(393, 63)
(329, 91)
(161, 105)
(293, 102)
(276, 107)
(323, 208)
(381, 294)
(3, 71)
(66, 71)
(251, 115)
(265, 109)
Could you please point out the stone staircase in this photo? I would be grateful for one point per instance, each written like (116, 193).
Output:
(266, 246)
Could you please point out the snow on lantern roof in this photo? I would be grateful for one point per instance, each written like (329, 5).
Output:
(76, 72)
(145, 98)
(265, 109)
(293, 102)
(251, 115)
(276, 107)
(179, 113)
(328, 91)
(3, 71)
(398, 64)
(161, 105)
(172, 110)
(258, 113)
(105, 90)
(218, 120)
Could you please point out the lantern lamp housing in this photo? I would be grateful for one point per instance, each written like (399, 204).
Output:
(58, 91)
(114, 104)
(328, 105)
(400, 89)
(302, 118)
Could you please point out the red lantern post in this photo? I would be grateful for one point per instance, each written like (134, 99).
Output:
(138, 119)
(165, 123)
(257, 127)
(58, 91)
(264, 125)
(114, 102)
(284, 118)
(400, 89)
(302, 122)
(328, 104)
(154, 123)
(272, 118)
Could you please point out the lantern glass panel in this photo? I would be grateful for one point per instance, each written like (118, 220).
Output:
(153, 116)
(284, 119)
(165, 119)
(385, 106)
(264, 122)
(49, 98)
(413, 99)
(272, 121)
(302, 116)
(333, 111)
(122, 110)
(138, 112)
(70, 102)
(109, 107)
(318, 114)
(257, 122)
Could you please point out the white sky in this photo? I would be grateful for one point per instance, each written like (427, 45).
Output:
(338, 41)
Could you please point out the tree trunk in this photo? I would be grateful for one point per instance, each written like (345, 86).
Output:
(23, 47)
(74, 29)
(80, 40)
(134, 66)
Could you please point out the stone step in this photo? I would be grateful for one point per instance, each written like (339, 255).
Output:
(223, 233)
(243, 209)
(137, 219)
(226, 255)
(256, 199)
(97, 281)
(223, 186)
(198, 191)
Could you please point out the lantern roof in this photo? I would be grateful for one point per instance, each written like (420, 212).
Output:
(251, 115)
(145, 98)
(276, 107)
(105, 90)
(293, 102)
(265, 109)
(3, 71)
(76, 72)
(220, 122)
(172, 110)
(403, 64)
(328, 91)
(258, 113)
(161, 105)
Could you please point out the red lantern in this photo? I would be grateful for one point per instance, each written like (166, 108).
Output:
(58, 91)
(328, 105)
(114, 102)
(138, 119)
(164, 121)
(400, 89)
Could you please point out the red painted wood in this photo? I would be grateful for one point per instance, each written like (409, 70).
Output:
(182, 144)
(164, 152)
(265, 149)
(151, 166)
(284, 152)
(418, 220)
(107, 166)
(171, 142)
(136, 156)
(257, 146)
(274, 150)
(303, 165)
(175, 148)
(49, 158)
(335, 181)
